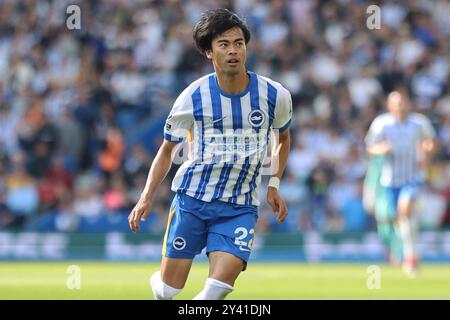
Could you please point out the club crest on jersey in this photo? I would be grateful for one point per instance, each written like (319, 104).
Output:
(179, 243)
(256, 118)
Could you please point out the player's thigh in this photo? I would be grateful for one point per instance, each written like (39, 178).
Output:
(174, 271)
(185, 237)
(406, 199)
(224, 266)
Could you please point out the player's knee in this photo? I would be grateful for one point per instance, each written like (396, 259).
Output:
(214, 290)
(162, 291)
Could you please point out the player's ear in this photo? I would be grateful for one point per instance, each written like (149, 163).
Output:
(208, 54)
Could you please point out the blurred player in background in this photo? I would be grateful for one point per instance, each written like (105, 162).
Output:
(227, 116)
(401, 143)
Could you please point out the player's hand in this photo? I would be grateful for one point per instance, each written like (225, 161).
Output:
(427, 146)
(277, 203)
(385, 147)
(139, 213)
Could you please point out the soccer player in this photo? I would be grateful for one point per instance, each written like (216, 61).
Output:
(227, 117)
(405, 141)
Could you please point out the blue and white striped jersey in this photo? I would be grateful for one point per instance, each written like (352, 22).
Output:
(228, 137)
(401, 164)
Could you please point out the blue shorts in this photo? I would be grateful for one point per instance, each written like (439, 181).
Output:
(219, 226)
(407, 192)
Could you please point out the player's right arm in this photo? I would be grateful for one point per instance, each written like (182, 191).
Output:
(380, 148)
(158, 171)
(178, 124)
(376, 143)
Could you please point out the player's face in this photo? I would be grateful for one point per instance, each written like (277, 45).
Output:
(228, 52)
(398, 105)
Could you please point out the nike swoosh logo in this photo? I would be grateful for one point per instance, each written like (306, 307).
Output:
(217, 120)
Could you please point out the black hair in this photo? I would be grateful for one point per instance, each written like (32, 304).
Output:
(215, 22)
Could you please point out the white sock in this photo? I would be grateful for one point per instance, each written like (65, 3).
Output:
(407, 229)
(162, 291)
(214, 290)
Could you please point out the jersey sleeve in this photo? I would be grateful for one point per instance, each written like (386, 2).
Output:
(283, 111)
(375, 133)
(180, 119)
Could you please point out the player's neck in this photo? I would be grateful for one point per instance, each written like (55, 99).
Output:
(233, 84)
(400, 118)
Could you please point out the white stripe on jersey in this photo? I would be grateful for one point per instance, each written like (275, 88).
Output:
(210, 172)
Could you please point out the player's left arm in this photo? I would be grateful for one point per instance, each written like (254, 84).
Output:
(428, 144)
(281, 122)
(273, 197)
(429, 147)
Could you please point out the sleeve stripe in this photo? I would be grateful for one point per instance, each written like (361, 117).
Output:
(283, 128)
(172, 138)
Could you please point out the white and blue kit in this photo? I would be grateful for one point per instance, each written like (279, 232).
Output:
(400, 173)
(217, 186)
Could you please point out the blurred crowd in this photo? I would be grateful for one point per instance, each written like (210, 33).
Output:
(81, 111)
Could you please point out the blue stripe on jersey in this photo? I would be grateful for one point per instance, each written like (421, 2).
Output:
(186, 179)
(206, 174)
(216, 103)
(236, 109)
(254, 93)
(272, 100)
(248, 198)
(253, 181)
(198, 116)
(221, 184)
(240, 180)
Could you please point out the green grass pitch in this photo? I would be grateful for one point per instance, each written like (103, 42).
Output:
(49, 280)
